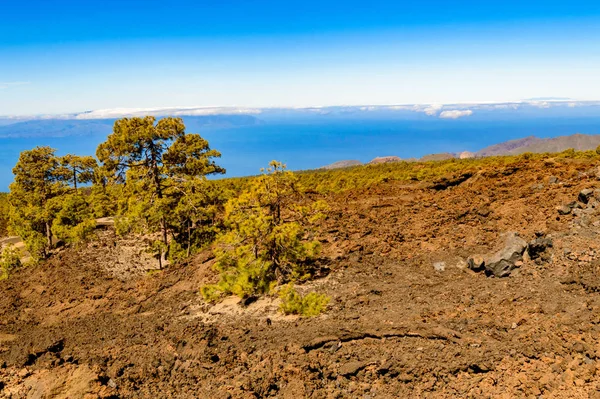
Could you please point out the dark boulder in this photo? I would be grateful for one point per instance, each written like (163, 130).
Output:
(503, 262)
(538, 246)
(585, 195)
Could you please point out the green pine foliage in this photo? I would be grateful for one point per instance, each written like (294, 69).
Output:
(9, 261)
(4, 209)
(268, 240)
(39, 178)
(74, 221)
(161, 170)
(45, 203)
(312, 304)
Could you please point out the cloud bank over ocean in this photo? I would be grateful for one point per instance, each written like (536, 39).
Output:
(455, 114)
(443, 111)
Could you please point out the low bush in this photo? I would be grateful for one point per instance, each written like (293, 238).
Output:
(312, 304)
(10, 260)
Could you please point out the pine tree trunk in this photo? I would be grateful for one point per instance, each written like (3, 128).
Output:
(189, 240)
(163, 227)
(163, 222)
(48, 236)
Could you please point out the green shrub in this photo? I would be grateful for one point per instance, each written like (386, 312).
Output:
(269, 241)
(10, 259)
(311, 304)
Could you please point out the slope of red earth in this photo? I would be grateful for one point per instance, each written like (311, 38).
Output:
(78, 326)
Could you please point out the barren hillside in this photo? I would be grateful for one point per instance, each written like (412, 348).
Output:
(410, 315)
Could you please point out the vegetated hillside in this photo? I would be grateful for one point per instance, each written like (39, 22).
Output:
(437, 157)
(342, 164)
(578, 142)
(507, 146)
(408, 317)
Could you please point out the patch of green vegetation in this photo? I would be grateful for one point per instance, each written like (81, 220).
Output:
(312, 304)
(268, 240)
(10, 259)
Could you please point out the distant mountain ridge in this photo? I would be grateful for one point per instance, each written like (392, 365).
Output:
(507, 147)
(578, 142)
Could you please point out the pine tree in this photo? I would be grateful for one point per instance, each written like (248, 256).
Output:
(39, 178)
(268, 241)
(158, 164)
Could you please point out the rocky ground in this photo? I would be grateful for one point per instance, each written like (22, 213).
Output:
(482, 285)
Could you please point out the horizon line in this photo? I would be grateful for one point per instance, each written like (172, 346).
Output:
(246, 110)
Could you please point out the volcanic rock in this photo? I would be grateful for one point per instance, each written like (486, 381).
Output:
(585, 195)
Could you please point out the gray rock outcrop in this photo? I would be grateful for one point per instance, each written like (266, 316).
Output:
(503, 262)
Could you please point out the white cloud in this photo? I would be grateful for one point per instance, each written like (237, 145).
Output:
(399, 107)
(431, 109)
(185, 111)
(540, 104)
(502, 106)
(6, 85)
(455, 114)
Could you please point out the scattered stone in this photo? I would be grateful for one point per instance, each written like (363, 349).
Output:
(352, 368)
(111, 383)
(476, 263)
(563, 210)
(503, 262)
(514, 326)
(579, 347)
(387, 367)
(335, 347)
(538, 186)
(484, 211)
(585, 195)
(553, 180)
(538, 246)
(584, 221)
(439, 266)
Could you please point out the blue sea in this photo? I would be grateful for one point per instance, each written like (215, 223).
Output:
(307, 143)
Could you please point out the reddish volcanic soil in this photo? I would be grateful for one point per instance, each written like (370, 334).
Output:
(92, 323)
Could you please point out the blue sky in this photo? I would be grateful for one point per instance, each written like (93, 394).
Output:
(70, 56)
